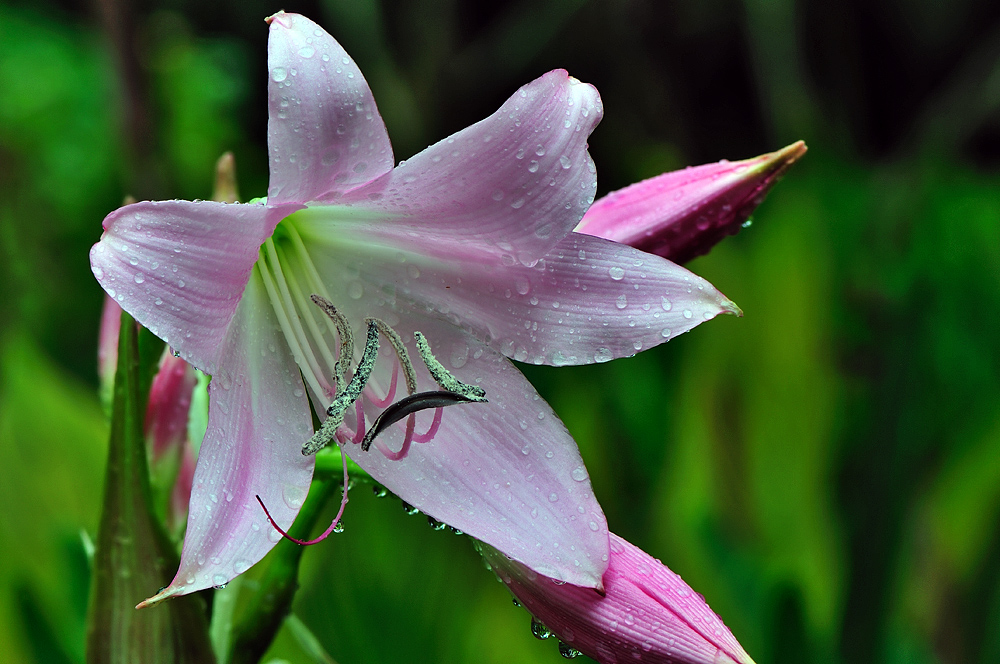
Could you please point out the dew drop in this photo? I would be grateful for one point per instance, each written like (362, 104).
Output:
(621, 302)
(539, 630)
(294, 496)
(307, 51)
(579, 474)
(278, 74)
(616, 273)
(139, 278)
(355, 290)
(569, 652)
(603, 354)
(533, 166)
(665, 303)
(687, 313)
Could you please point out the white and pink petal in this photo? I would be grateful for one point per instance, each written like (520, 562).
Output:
(180, 267)
(588, 300)
(324, 133)
(506, 472)
(513, 184)
(258, 419)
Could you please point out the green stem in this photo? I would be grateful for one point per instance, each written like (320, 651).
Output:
(133, 556)
(272, 601)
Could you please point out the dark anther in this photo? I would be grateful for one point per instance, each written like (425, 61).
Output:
(413, 403)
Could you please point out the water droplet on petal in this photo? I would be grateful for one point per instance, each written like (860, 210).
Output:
(579, 473)
(603, 355)
(278, 74)
(616, 273)
(294, 496)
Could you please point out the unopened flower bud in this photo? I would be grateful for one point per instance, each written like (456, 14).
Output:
(682, 214)
(647, 613)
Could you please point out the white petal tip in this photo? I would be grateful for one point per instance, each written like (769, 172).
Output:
(166, 593)
(278, 16)
(730, 307)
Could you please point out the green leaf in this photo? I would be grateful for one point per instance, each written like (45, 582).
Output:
(134, 556)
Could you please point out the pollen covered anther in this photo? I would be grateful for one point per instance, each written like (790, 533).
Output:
(453, 390)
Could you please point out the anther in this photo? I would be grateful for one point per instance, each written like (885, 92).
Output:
(442, 376)
(413, 403)
(345, 354)
(335, 413)
(404, 357)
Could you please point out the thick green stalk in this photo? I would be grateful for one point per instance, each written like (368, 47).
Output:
(134, 557)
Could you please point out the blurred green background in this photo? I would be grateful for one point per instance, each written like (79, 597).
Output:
(825, 470)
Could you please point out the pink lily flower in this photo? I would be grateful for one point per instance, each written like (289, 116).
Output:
(468, 242)
(647, 613)
(682, 214)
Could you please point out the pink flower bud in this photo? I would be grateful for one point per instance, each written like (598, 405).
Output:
(107, 349)
(647, 614)
(682, 214)
(169, 404)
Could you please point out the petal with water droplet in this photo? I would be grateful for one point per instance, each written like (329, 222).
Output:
(328, 123)
(256, 426)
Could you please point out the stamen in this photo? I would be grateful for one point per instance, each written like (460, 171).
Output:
(286, 327)
(359, 415)
(346, 340)
(404, 450)
(404, 357)
(315, 283)
(432, 430)
(335, 413)
(442, 376)
(336, 519)
(300, 335)
(307, 314)
(410, 405)
(391, 393)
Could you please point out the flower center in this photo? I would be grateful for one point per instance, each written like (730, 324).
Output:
(298, 296)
